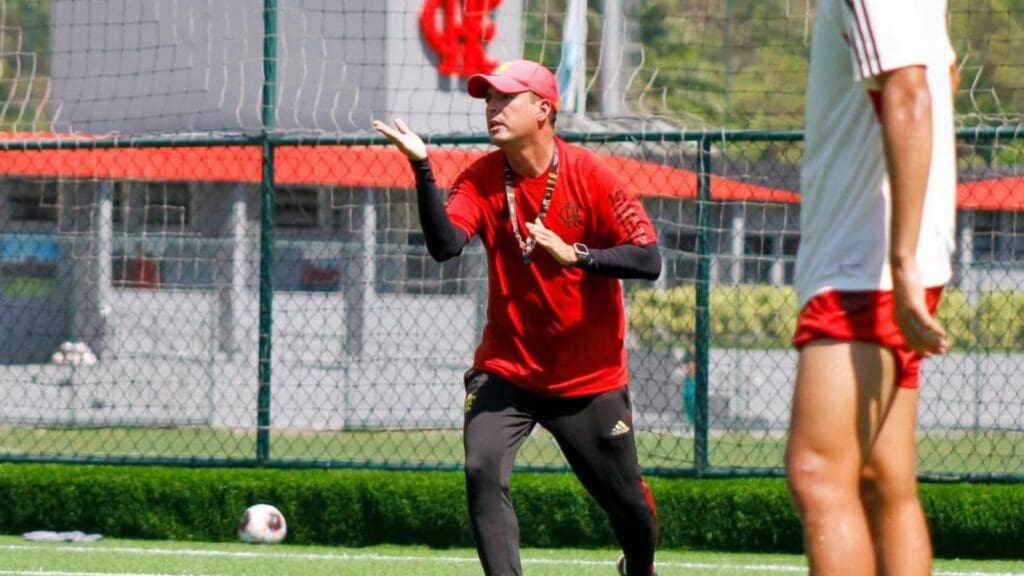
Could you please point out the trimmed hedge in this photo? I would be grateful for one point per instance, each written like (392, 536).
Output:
(765, 317)
(359, 508)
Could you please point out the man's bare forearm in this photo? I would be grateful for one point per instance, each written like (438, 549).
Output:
(906, 117)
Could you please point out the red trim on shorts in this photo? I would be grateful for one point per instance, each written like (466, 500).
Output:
(867, 316)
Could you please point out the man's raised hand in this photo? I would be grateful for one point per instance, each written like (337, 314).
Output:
(405, 139)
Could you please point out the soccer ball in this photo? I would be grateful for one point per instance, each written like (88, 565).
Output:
(262, 524)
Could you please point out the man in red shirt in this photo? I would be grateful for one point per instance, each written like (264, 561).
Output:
(553, 349)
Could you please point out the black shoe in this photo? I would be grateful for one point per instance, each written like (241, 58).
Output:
(620, 566)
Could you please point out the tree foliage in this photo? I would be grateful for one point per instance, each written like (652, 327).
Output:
(743, 63)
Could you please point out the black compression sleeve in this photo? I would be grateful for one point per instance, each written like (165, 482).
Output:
(443, 239)
(625, 261)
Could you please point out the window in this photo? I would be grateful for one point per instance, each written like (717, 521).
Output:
(296, 208)
(997, 237)
(119, 203)
(985, 236)
(769, 258)
(136, 269)
(790, 245)
(166, 206)
(32, 201)
(679, 257)
(347, 213)
(757, 259)
(160, 207)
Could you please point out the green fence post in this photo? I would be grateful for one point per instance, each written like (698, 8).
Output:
(703, 328)
(266, 230)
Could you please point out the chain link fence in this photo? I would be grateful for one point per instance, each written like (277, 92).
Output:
(136, 283)
(207, 259)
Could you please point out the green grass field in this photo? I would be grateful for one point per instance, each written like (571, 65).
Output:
(990, 452)
(147, 558)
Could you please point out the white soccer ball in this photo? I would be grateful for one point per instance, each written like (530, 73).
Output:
(262, 524)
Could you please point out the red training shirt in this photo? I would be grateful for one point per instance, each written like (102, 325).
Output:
(551, 329)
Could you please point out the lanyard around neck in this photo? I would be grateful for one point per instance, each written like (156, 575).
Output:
(527, 245)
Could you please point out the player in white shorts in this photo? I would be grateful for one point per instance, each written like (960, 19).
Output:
(878, 189)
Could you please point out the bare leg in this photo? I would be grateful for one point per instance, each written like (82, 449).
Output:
(838, 404)
(889, 488)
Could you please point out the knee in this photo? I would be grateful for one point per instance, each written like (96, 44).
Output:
(813, 483)
(482, 471)
(883, 486)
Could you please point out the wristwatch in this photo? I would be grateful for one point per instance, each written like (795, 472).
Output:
(583, 257)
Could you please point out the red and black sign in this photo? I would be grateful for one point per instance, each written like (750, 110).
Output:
(459, 31)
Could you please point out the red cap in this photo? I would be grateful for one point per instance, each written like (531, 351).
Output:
(515, 77)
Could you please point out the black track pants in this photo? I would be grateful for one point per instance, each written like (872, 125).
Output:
(596, 435)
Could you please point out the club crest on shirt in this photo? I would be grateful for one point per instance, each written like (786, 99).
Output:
(571, 215)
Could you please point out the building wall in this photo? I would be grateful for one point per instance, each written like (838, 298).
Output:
(195, 66)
